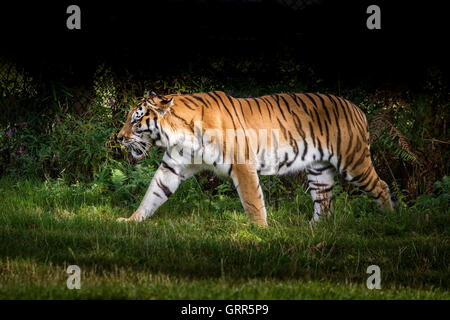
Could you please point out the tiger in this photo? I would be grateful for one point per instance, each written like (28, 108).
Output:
(285, 133)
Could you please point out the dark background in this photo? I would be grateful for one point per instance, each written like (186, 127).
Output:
(155, 36)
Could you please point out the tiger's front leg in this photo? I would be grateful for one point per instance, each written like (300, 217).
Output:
(165, 182)
(246, 181)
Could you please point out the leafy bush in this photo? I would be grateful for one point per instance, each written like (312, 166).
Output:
(440, 199)
(54, 131)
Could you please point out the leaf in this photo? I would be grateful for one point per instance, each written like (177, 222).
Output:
(118, 178)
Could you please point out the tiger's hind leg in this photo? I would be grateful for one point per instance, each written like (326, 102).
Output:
(365, 177)
(321, 182)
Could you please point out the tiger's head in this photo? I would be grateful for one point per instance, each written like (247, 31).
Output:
(142, 128)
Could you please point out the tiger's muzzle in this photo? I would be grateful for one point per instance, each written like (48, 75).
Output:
(137, 146)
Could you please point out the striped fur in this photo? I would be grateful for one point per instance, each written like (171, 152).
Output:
(322, 134)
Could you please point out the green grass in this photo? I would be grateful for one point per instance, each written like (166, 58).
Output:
(194, 248)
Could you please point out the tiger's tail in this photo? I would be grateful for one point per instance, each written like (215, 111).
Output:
(367, 179)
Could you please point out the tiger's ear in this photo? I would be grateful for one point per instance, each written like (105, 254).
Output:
(167, 102)
(150, 94)
(164, 106)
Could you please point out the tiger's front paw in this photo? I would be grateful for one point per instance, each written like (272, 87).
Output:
(137, 216)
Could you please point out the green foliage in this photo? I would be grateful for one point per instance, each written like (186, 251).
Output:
(74, 148)
(408, 138)
(117, 178)
(440, 199)
(15, 82)
(47, 137)
(129, 183)
(184, 83)
(105, 88)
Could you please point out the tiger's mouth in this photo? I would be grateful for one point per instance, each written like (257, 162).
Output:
(138, 149)
(137, 154)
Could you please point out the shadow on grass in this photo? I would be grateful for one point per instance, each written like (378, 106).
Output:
(198, 250)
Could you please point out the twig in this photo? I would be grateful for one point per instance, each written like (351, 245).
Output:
(436, 140)
(390, 170)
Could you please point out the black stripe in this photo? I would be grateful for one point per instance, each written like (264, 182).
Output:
(259, 107)
(324, 168)
(338, 164)
(283, 129)
(311, 99)
(324, 106)
(305, 108)
(287, 104)
(312, 134)
(242, 110)
(331, 152)
(359, 162)
(344, 111)
(234, 124)
(285, 160)
(294, 145)
(279, 106)
(294, 98)
(268, 109)
(298, 125)
(327, 136)
(336, 117)
(350, 142)
(186, 104)
(184, 121)
(318, 121)
(351, 157)
(271, 105)
(251, 205)
(164, 188)
(363, 176)
(349, 161)
(373, 187)
(316, 112)
(348, 109)
(249, 105)
(326, 190)
(317, 184)
(306, 149)
(234, 108)
(313, 173)
(202, 101)
(356, 178)
(157, 194)
(365, 185)
(215, 100)
(319, 146)
(165, 165)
